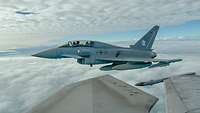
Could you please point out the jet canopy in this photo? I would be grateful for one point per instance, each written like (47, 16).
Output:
(78, 43)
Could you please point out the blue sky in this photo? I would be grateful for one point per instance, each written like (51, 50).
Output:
(188, 30)
(61, 20)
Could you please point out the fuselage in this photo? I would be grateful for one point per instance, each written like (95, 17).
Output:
(95, 50)
(137, 56)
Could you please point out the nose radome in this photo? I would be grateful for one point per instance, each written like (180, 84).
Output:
(35, 55)
(52, 53)
(40, 54)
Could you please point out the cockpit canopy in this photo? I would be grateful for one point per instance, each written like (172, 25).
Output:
(78, 43)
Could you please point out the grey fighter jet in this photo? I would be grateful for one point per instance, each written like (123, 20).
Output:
(25, 13)
(139, 55)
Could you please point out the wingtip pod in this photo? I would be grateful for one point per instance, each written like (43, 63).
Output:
(190, 73)
(176, 60)
(185, 74)
(165, 63)
(156, 81)
(140, 84)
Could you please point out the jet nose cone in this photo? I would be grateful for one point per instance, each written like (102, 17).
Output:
(52, 53)
(41, 54)
(37, 55)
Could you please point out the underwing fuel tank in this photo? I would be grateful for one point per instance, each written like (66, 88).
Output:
(125, 66)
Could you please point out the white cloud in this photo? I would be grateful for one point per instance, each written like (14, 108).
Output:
(63, 17)
(24, 81)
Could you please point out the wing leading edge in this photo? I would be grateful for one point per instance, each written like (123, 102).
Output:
(104, 94)
(140, 60)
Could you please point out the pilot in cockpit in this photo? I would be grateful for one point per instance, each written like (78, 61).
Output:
(77, 42)
(74, 43)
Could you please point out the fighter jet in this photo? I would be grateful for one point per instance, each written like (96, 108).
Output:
(25, 12)
(139, 55)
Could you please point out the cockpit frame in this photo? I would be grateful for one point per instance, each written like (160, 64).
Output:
(78, 43)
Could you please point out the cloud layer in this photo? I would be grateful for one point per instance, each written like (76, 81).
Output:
(71, 16)
(59, 18)
(25, 81)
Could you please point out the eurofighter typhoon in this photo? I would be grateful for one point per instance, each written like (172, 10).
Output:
(139, 55)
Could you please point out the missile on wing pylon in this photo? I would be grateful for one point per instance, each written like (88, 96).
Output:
(151, 82)
(163, 64)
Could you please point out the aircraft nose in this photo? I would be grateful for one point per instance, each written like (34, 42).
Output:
(52, 53)
(38, 54)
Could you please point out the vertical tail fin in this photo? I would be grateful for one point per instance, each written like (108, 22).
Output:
(146, 42)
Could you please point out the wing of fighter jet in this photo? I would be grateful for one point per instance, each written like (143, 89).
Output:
(135, 63)
(183, 94)
(129, 59)
(104, 94)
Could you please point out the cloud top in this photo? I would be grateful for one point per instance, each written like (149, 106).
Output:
(93, 16)
(25, 81)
